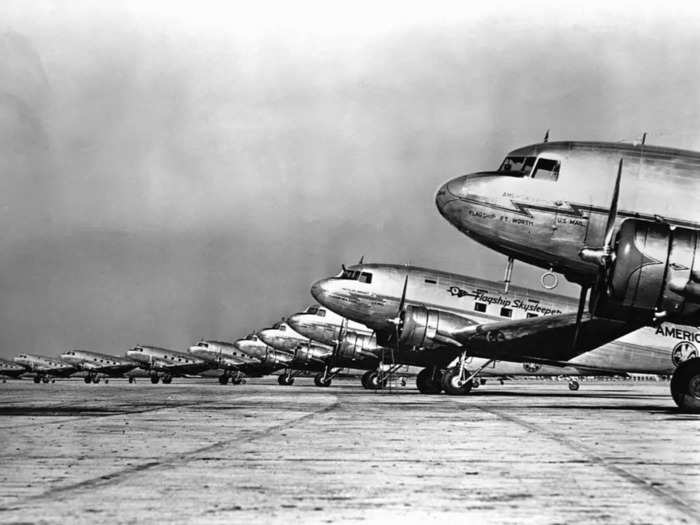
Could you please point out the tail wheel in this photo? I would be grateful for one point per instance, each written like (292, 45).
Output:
(428, 382)
(685, 385)
(451, 383)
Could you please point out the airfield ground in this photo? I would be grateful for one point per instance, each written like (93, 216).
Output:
(196, 451)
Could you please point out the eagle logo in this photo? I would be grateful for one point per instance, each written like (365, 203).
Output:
(682, 352)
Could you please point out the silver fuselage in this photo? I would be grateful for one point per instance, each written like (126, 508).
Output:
(547, 222)
(165, 360)
(98, 363)
(375, 304)
(44, 365)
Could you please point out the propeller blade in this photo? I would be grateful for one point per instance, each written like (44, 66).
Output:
(579, 315)
(403, 297)
(612, 214)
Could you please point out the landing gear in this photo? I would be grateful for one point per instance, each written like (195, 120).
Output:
(237, 379)
(573, 385)
(45, 379)
(95, 379)
(155, 379)
(223, 380)
(87, 380)
(132, 379)
(167, 380)
(322, 380)
(428, 381)
(286, 379)
(37, 379)
(454, 382)
(365, 379)
(374, 382)
(685, 385)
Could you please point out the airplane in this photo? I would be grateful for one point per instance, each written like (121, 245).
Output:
(10, 369)
(44, 368)
(228, 357)
(328, 358)
(270, 358)
(163, 364)
(620, 220)
(434, 319)
(96, 365)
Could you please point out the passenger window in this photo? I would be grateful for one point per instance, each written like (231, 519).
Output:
(506, 312)
(530, 315)
(431, 281)
(479, 307)
(365, 277)
(546, 169)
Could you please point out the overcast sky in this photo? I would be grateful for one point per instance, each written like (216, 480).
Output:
(178, 170)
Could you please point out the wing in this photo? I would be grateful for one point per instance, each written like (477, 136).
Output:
(544, 339)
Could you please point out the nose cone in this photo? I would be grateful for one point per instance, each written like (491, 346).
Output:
(319, 290)
(297, 322)
(450, 192)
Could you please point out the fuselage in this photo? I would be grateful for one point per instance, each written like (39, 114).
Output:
(221, 354)
(44, 365)
(282, 337)
(269, 359)
(548, 201)
(165, 360)
(96, 362)
(374, 301)
(10, 369)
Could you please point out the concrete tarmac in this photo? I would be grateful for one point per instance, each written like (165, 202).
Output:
(196, 451)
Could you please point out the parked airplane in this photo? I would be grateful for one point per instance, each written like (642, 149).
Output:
(234, 362)
(349, 350)
(44, 368)
(619, 219)
(163, 364)
(10, 369)
(433, 318)
(270, 359)
(96, 365)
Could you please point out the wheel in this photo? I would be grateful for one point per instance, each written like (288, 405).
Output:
(282, 379)
(450, 383)
(223, 380)
(365, 379)
(95, 379)
(106, 380)
(289, 381)
(37, 379)
(131, 379)
(374, 383)
(88, 379)
(167, 380)
(428, 382)
(320, 381)
(237, 380)
(573, 385)
(685, 385)
(45, 379)
(154, 379)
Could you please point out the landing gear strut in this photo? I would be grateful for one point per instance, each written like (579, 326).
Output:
(685, 385)
(325, 378)
(286, 379)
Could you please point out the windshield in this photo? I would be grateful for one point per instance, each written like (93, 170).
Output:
(517, 166)
(356, 275)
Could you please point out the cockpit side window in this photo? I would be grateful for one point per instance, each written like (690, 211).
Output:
(516, 166)
(546, 169)
(365, 277)
(350, 274)
(320, 312)
(312, 310)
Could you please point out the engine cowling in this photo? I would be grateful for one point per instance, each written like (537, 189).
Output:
(356, 347)
(423, 327)
(655, 270)
(307, 353)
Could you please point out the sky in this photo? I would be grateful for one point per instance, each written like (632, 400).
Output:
(177, 170)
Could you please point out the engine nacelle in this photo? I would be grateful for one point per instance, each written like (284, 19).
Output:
(357, 347)
(422, 327)
(308, 353)
(655, 270)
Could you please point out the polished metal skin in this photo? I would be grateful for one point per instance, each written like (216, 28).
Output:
(161, 362)
(10, 369)
(546, 222)
(270, 359)
(95, 363)
(44, 367)
(230, 358)
(647, 350)
(282, 337)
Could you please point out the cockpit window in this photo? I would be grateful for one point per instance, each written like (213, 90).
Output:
(546, 169)
(356, 275)
(312, 310)
(252, 337)
(365, 277)
(320, 312)
(517, 166)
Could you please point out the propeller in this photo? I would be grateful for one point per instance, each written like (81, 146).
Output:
(341, 336)
(601, 256)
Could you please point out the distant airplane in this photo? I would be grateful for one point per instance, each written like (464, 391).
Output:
(44, 368)
(163, 364)
(621, 220)
(234, 362)
(269, 358)
(440, 320)
(10, 369)
(96, 365)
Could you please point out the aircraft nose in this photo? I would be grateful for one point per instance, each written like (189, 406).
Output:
(295, 321)
(451, 191)
(319, 290)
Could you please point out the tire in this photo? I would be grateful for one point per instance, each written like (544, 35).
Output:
(154, 380)
(450, 385)
(685, 386)
(236, 380)
(45, 379)
(427, 384)
(223, 380)
(131, 379)
(573, 385)
(374, 383)
(167, 380)
(319, 381)
(95, 380)
(365, 379)
(282, 380)
(87, 379)
(37, 379)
